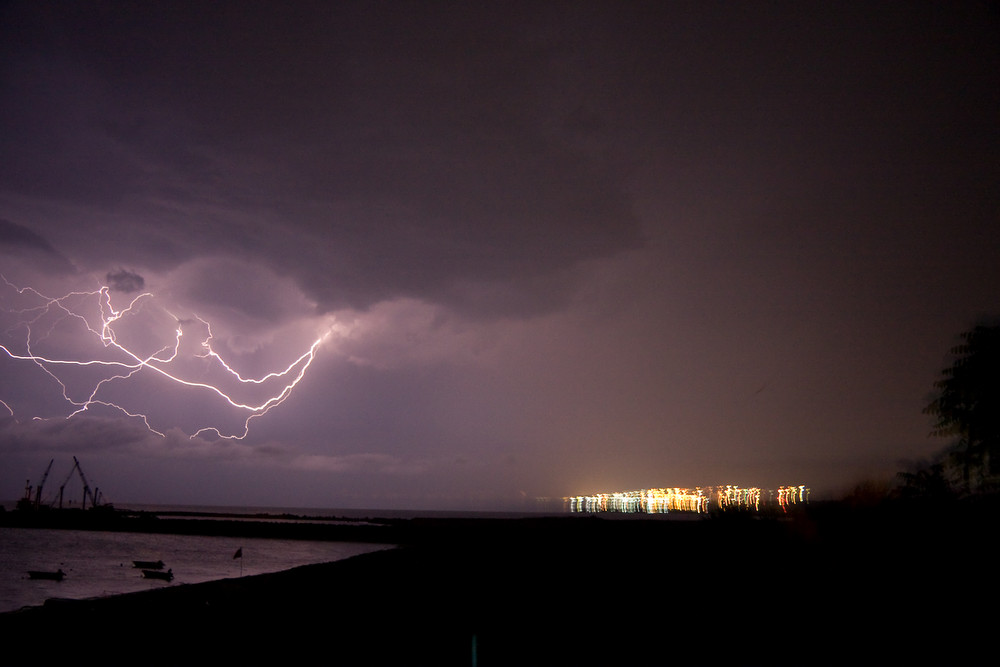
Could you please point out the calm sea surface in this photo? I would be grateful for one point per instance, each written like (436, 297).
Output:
(100, 563)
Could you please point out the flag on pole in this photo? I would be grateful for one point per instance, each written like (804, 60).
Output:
(238, 554)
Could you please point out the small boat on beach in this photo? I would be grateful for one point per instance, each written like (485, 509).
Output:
(158, 574)
(148, 564)
(51, 576)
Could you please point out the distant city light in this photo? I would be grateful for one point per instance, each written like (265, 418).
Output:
(700, 499)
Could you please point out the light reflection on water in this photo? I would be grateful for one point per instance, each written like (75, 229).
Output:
(99, 563)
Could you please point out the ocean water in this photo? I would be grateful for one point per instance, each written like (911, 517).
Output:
(100, 563)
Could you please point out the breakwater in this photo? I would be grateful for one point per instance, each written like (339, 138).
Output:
(207, 524)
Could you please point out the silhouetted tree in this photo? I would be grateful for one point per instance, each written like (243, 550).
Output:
(928, 483)
(967, 405)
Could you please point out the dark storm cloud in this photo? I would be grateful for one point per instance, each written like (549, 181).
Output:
(20, 240)
(82, 434)
(16, 235)
(403, 149)
(125, 281)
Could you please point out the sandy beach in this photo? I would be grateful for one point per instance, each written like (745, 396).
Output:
(822, 588)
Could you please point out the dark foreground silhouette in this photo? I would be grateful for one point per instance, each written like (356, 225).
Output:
(831, 586)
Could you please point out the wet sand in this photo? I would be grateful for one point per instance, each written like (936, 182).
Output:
(821, 589)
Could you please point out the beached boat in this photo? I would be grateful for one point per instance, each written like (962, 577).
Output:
(148, 564)
(158, 574)
(52, 576)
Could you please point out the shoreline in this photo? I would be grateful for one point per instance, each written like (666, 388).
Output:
(828, 587)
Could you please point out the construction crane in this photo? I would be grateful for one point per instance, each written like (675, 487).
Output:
(86, 491)
(38, 491)
(86, 486)
(63, 485)
(93, 495)
(26, 503)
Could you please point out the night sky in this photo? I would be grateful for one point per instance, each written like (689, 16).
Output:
(546, 248)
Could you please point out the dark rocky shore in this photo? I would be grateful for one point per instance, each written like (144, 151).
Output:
(828, 586)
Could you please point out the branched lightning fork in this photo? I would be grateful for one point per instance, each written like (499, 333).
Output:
(130, 363)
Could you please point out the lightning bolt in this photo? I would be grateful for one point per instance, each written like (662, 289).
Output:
(115, 362)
